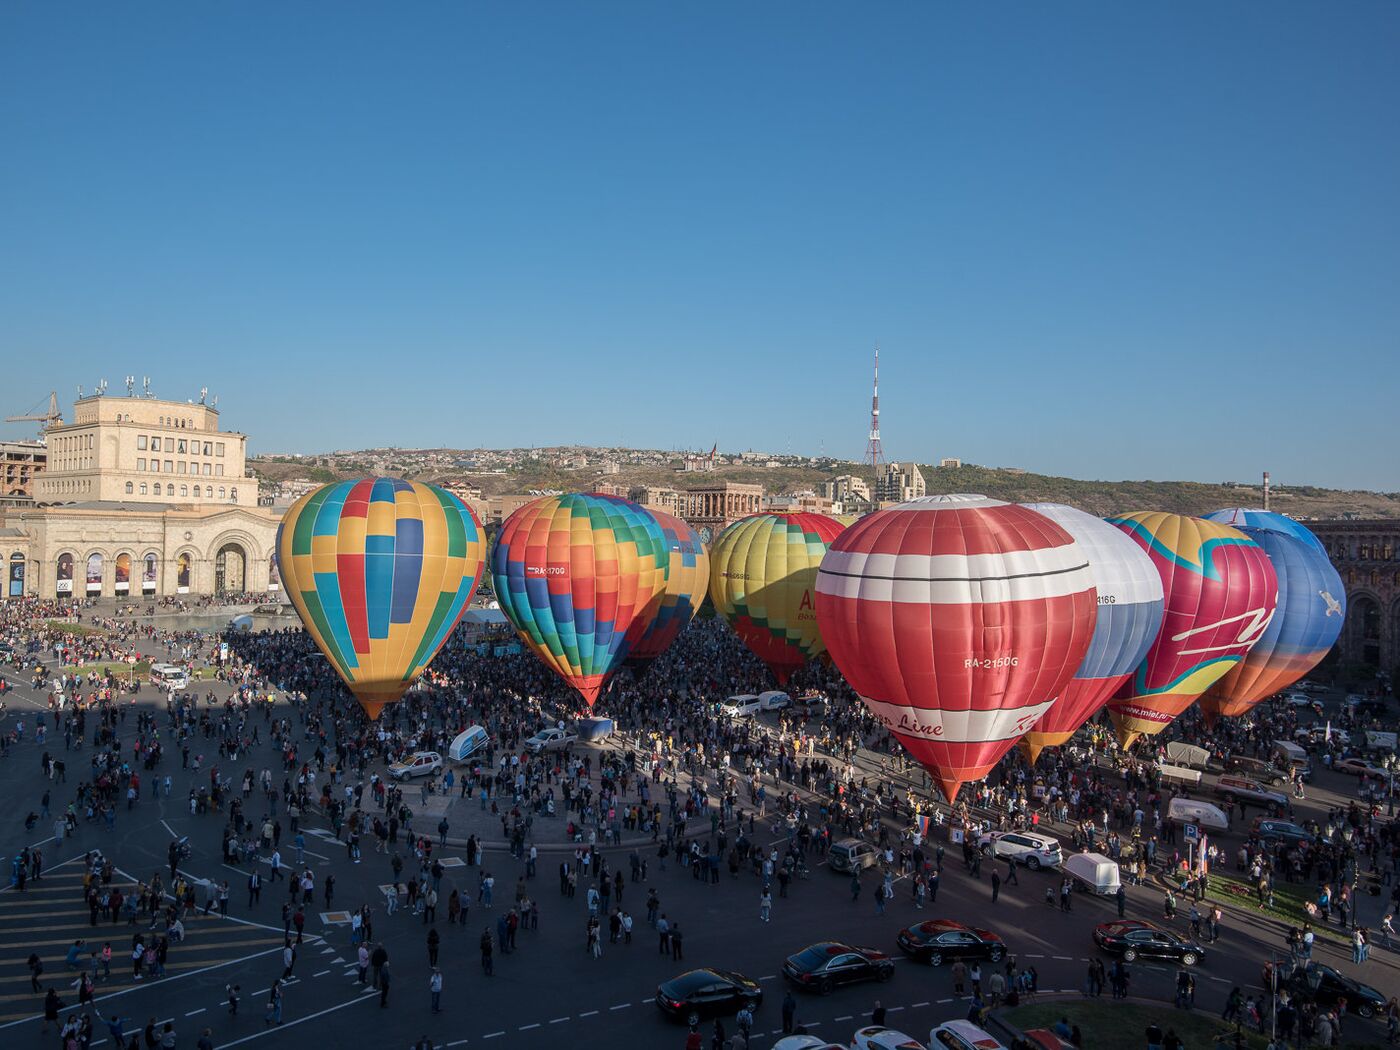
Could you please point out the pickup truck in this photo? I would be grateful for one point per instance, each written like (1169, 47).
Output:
(553, 739)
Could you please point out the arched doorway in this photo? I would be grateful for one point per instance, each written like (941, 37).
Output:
(182, 573)
(16, 588)
(148, 573)
(230, 566)
(94, 573)
(63, 585)
(122, 581)
(1363, 630)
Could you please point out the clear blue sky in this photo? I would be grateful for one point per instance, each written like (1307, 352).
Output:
(1104, 240)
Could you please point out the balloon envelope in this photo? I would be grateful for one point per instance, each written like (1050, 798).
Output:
(1258, 518)
(762, 572)
(957, 619)
(1129, 617)
(1220, 593)
(380, 571)
(575, 574)
(1306, 624)
(687, 580)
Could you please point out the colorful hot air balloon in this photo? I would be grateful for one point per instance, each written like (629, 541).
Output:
(958, 619)
(575, 574)
(380, 571)
(687, 579)
(1258, 518)
(1220, 595)
(1307, 622)
(762, 570)
(1129, 617)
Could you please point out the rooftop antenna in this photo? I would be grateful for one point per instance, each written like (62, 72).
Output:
(130, 386)
(101, 387)
(146, 386)
(203, 394)
(80, 391)
(216, 401)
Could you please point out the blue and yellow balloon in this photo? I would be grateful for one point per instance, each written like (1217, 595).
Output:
(380, 570)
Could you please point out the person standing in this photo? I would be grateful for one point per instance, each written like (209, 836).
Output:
(362, 960)
(789, 1012)
(996, 885)
(274, 1004)
(435, 989)
(384, 985)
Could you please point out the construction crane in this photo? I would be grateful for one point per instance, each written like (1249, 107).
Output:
(50, 419)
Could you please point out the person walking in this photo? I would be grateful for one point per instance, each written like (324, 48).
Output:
(384, 983)
(362, 960)
(486, 952)
(765, 905)
(273, 1016)
(996, 885)
(435, 989)
(789, 1012)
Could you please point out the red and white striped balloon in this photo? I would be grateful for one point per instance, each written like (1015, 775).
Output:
(958, 619)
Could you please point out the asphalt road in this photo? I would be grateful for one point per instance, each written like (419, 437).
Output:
(549, 990)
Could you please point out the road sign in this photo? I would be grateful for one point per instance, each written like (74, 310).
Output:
(1191, 832)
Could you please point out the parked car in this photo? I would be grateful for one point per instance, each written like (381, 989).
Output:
(552, 739)
(774, 700)
(962, 1035)
(1318, 734)
(1257, 769)
(1137, 938)
(825, 966)
(848, 855)
(937, 941)
(706, 993)
(1246, 789)
(805, 1042)
(418, 764)
(1320, 984)
(878, 1037)
(1030, 848)
(1271, 831)
(1359, 767)
(1298, 700)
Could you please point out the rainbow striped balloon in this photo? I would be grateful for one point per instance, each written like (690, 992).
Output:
(687, 580)
(380, 571)
(580, 576)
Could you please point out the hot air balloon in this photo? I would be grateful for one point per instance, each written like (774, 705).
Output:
(762, 570)
(576, 574)
(1220, 595)
(687, 579)
(380, 571)
(1129, 617)
(1258, 518)
(1308, 620)
(958, 619)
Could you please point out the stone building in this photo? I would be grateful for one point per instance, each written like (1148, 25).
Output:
(1367, 555)
(21, 462)
(899, 482)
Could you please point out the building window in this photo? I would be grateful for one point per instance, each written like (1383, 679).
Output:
(155, 466)
(143, 488)
(170, 444)
(184, 490)
(181, 447)
(169, 466)
(221, 492)
(141, 463)
(218, 448)
(206, 470)
(130, 488)
(233, 495)
(218, 470)
(183, 465)
(209, 448)
(141, 441)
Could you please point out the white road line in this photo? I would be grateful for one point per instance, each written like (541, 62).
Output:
(559, 1020)
(648, 1000)
(622, 1006)
(942, 1001)
(527, 1027)
(492, 1035)
(169, 829)
(770, 977)
(1028, 956)
(199, 1011)
(321, 974)
(1063, 958)
(590, 1013)
(838, 1020)
(918, 1005)
(456, 1042)
(894, 1009)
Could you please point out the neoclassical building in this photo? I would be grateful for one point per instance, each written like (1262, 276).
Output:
(150, 550)
(1367, 555)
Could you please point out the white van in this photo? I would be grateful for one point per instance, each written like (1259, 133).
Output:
(774, 700)
(170, 676)
(742, 706)
(1179, 775)
(466, 744)
(1379, 741)
(1093, 871)
(1192, 811)
(1180, 753)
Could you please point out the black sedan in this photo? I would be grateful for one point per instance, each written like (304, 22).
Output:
(826, 966)
(1323, 985)
(1136, 938)
(941, 940)
(1271, 831)
(707, 993)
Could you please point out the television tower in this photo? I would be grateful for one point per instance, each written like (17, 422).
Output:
(873, 452)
